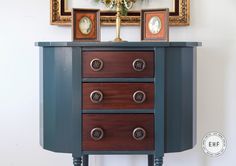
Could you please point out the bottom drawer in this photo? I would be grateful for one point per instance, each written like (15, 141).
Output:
(118, 132)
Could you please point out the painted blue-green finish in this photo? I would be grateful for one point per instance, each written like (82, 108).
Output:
(41, 89)
(180, 99)
(118, 152)
(159, 101)
(85, 160)
(56, 110)
(150, 160)
(77, 160)
(121, 48)
(118, 44)
(77, 97)
(61, 95)
(194, 95)
(158, 161)
(118, 79)
(119, 111)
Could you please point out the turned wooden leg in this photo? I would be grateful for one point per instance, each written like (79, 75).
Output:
(158, 161)
(150, 160)
(77, 161)
(85, 160)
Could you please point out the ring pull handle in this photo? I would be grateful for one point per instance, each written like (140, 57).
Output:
(139, 97)
(96, 96)
(97, 134)
(139, 65)
(96, 64)
(139, 134)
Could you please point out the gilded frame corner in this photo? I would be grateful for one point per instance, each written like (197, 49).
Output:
(59, 15)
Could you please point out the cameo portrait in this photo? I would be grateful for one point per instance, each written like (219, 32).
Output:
(155, 25)
(86, 25)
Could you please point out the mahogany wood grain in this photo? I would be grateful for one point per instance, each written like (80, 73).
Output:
(118, 95)
(118, 64)
(118, 129)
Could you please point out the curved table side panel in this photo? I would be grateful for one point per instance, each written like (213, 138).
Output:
(180, 99)
(57, 112)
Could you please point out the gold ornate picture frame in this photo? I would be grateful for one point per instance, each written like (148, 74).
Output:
(60, 15)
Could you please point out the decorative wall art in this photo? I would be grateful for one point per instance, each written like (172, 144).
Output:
(179, 12)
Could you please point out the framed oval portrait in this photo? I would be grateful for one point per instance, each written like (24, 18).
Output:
(86, 25)
(155, 25)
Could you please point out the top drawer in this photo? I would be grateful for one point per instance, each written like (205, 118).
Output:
(121, 64)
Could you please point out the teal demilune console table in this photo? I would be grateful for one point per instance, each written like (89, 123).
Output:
(118, 98)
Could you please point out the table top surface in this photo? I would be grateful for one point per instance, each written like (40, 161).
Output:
(118, 44)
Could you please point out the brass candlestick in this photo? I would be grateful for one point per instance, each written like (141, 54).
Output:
(118, 21)
(127, 4)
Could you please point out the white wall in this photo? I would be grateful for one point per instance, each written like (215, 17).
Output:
(27, 21)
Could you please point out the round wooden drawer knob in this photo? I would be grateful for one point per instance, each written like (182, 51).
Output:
(97, 134)
(96, 64)
(139, 65)
(139, 97)
(96, 96)
(139, 133)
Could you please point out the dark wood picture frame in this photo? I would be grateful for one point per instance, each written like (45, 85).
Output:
(94, 17)
(163, 15)
(60, 15)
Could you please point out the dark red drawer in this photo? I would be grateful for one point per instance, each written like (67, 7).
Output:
(105, 64)
(118, 96)
(117, 132)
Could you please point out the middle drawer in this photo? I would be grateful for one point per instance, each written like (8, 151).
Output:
(118, 96)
